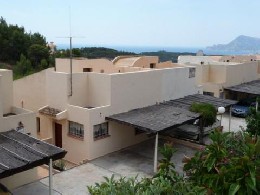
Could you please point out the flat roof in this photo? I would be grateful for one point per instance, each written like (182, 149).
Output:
(252, 87)
(167, 114)
(20, 152)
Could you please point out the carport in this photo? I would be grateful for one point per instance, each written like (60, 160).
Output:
(167, 115)
(20, 152)
(251, 88)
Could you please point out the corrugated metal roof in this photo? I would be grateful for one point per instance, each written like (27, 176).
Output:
(168, 114)
(20, 152)
(252, 87)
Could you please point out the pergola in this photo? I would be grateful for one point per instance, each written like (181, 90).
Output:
(252, 88)
(20, 152)
(166, 115)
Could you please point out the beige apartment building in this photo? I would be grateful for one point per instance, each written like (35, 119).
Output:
(71, 111)
(11, 116)
(214, 73)
(17, 118)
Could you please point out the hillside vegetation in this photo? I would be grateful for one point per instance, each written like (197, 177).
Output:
(22, 52)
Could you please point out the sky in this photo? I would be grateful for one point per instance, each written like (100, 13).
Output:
(167, 23)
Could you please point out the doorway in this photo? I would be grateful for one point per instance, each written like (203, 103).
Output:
(58, 135)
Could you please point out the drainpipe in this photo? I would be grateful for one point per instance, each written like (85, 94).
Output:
(50, 178)
(155, 154)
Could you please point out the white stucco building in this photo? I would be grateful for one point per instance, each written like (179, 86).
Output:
(214, 73)
(17, 118)
(75, 120)
(11, 116)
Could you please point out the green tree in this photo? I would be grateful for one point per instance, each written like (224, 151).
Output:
(44, 64)
(207, 111)
(36, 53)
(23, 67)
(38, 39)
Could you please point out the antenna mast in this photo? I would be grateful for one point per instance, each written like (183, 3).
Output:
(70, 37)
(70, 56)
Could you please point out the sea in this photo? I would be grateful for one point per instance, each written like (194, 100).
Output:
(139, 49)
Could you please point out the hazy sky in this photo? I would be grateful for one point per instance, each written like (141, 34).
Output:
(168, 23)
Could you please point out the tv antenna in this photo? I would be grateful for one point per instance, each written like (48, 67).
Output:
(70, 38)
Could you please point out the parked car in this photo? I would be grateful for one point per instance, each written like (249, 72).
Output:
(242, 108)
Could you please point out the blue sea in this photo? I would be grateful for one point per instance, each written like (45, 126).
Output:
(139, 49)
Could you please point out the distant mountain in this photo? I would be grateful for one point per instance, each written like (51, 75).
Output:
(241, 43)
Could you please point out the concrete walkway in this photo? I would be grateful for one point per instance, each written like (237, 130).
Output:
(132, 161)
(129, 162)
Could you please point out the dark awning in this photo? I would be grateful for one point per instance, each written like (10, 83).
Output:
(155, 118)
(187, 101)
(20, 152)
(168, 114)
(252, 87)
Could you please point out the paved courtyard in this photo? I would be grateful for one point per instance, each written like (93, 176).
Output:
(236, 123)
(129, 162)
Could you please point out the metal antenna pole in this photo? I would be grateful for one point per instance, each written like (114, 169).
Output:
(70, 37)
(70, 66)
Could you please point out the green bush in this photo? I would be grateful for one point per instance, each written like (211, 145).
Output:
(230, 165)
(207, 111)
(253, 122)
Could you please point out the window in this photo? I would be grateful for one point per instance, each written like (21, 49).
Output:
(38, 124)
(87, 69)
(152, 65)
(100, 131)
(192, 72)
(208, 93)
(76, 130)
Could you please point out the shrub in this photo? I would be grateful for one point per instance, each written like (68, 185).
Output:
(229, 165)
(207, 111)
(253, 122)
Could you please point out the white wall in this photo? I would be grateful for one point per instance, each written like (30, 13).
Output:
(121, 136)
(63, 64)
(58, 89)
(241, 73)
(27, 118)
(6, 90)
(80, 94)
(177, 84)
(194, 59)
(31, 90)
(99, 89)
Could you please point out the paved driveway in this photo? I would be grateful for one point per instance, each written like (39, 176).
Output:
(129, 162)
